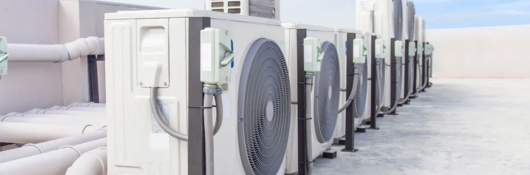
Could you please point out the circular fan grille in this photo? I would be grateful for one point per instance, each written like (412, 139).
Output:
(362, 91)
(264, 108)
(327, 86)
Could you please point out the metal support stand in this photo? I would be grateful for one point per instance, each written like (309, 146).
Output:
(350, 120)
(408, 60)
(424, 69)
(93, 82)
(393, 76)
(373, 95)
(196, 147)
(415, 61)
(303, 161)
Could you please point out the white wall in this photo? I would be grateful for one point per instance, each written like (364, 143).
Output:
(30, 85)
(486, 52)
(42, 85)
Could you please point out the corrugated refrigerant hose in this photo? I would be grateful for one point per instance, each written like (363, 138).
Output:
(210, 92)
(353, 91)
(385, 112)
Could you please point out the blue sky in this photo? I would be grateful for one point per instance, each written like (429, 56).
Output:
(340, 13)
(473, 13)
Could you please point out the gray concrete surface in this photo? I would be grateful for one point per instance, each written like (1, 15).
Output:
(458, 127)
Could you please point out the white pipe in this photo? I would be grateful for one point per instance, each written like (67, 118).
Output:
(58, 120)
(63, 112)
(50, 163)
(56, 53)
(12, 132)
(14, 114)
(74, 108)
(90, 163)
(34, 149)
(77, 104)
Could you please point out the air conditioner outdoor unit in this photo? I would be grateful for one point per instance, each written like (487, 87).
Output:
(319, 49)
(409, 49)
(168, 55)
(259, 8)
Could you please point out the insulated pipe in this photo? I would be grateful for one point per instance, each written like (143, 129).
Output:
(90, 163)
(12, 132)
(57, 120)
(56, 53)
(77, 104)
(50, 163)
(74, 108)
(34, 149)
(15, 114)
(65, 112)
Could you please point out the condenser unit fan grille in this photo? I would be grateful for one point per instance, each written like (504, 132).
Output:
(264, 108)
(327, 84)
(362, 91)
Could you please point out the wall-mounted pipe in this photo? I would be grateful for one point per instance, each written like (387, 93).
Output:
(22, 133)
(77, 104)
(74, 108)
(56, 53)
(50, 163)
(34, 149)
(90, 163)
(65, 112)
(58, 120)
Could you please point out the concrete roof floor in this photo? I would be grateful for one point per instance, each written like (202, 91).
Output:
(457, 127)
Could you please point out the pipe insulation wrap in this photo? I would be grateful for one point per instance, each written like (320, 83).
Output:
(44, 147)
(22, 133)
(56, 53)
(90, 163)
(50, 163)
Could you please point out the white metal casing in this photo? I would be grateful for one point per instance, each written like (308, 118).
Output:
(134, 147)
(325, 35)
(258, 8)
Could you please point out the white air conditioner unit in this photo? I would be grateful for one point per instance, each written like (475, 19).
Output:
(408, 62)
(320, 43)
(343, 46)
(189, 46)
(260, 8)
(384, 18)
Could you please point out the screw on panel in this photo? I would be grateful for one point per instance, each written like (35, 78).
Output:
(141, 84)
(165, 83)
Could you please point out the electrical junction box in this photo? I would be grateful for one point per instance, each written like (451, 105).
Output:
(399, 49)
(412, 49)
(359, 51)
(313, 54)
(3, 56)
(216, 56)
(380, 48)
(420, 49)
(428, 49)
